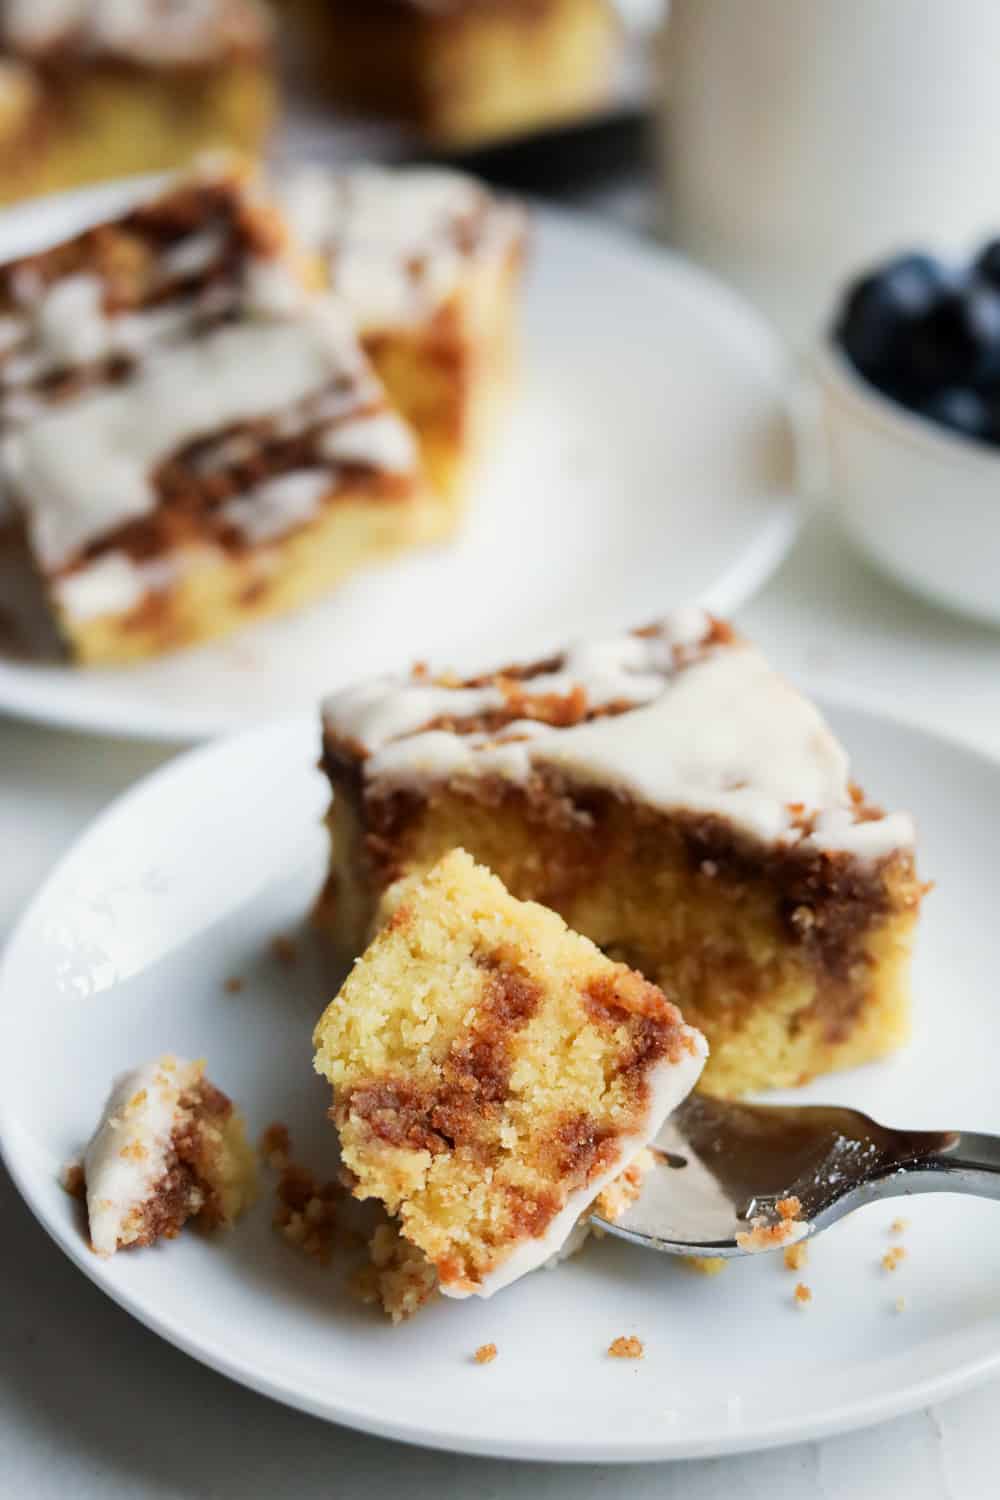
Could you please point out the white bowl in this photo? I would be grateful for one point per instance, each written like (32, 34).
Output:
(922, 501)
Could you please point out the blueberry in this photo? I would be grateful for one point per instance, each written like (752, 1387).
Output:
(880, 307)
(987, 263)
(962, 409)
(955, 342)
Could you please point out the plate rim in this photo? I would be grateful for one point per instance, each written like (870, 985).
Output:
(849, 1415)
(55, 705)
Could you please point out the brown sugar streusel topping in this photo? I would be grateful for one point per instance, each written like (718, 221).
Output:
(626, 1347)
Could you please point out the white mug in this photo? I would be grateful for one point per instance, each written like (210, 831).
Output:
(804, 139)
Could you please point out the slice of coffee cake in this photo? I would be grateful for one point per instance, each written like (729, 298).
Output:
(192, 438)
(673, 798)
(492, 1073)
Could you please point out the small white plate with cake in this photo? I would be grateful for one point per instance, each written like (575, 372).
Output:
(230, 498)
(492, 1070)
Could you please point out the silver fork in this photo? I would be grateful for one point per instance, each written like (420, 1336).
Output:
(719, 1165)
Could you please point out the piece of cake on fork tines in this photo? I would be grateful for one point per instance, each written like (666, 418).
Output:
(673, 798)
(429, 262)
(493, 1072)
(193, 438)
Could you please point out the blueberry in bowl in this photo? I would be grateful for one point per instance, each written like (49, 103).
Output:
(910, 377)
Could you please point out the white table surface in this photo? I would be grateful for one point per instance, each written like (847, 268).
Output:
(93, 1405)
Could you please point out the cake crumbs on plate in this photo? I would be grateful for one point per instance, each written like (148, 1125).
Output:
(275, 1146)
(305, 1214)
(893, 1258)
(485, 1354)
(900, 1304)
(899, 1226)
(73, 1180)
(803, 1294)
(795, 1256)
(233, 984)
(626, 1347)
(284, 950)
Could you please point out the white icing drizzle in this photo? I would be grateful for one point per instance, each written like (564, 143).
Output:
(145, 30)
(130, 1149)
(277, 506)
(65, 326)
(393, 238)
(712, 729)
(378, 439)
(669, 1085)
(82, 469)
(112, 584)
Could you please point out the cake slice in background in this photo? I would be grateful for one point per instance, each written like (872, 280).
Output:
(169, 1147)
(464, 72)
(136, 87)
(429, 263)
(672, 798)
(192, 438)
(492, 1073)
(24, 128)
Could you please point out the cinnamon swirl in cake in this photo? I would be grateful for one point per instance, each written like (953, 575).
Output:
(493, 1072)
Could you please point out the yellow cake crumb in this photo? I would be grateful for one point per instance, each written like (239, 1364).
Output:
(796, 1256)
(305, 1212)
(899, 1226)
(803, 1294)
(485, 1354)
(892, 1259)
(626, 1347)
(705, 1265)
(900, 1304)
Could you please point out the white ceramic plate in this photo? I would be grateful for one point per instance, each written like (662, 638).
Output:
(649, 459)
(183, 883)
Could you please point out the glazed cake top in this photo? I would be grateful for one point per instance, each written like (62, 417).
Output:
(174, 354)
(397, 241)
(683, 715)
(182, 32)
